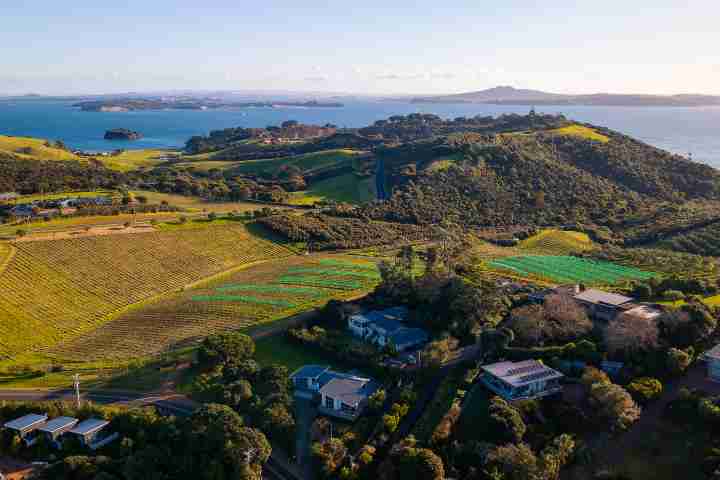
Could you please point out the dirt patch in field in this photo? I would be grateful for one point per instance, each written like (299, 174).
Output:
(15, 470)
(90, 232)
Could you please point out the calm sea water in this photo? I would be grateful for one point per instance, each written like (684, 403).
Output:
(679, 130)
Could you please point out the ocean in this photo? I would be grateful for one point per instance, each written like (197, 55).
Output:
(694, 131)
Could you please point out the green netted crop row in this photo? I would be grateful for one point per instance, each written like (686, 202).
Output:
(570, 269)
(355, 266)
(334, 272)
(319, 282)
(242, 298)
(309, 291)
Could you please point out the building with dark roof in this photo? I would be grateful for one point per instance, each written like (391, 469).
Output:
(521, 380)
(385, 327)
(55, 428)
(91, 433)
(26, 426)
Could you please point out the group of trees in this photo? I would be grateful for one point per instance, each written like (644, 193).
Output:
(558, 321)
(261, 394)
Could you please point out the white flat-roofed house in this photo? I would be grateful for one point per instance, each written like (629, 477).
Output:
(56, 427)
(25, 427)
(91, 433)
(712, 360)
(521, 380)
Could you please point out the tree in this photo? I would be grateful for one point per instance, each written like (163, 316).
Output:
(629, 333)
(556, 455)
(142, 199)
(513, 462)
(438, 352)
(614, 405)
(504, 424)
(226, 348)
(212, 216)
(566, 320)
(673, 295)
(330, 455)
(678, 361)
(420, 464)
(592, 375)
(645, 389)
(689, 325)
(20, 232)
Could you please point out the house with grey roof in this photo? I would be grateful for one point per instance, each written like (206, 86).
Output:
(712, 361)
(524, 380)
(26, 427)
(92, 434)
(603, 305)
(341, 395)
(385, 327)
(55, 428)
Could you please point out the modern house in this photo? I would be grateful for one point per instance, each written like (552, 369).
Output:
(26, 427)
(603, 305)
(56, 427)
(341, 395)
(385, 327)
(712, 360)
(521, 380)
(91, 433)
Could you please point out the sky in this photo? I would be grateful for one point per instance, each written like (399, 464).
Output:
(394, 47)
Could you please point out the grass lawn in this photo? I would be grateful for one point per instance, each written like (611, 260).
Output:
(134, 159)
(582, 132)
(343, 188)
(277, 349)
(196, 204)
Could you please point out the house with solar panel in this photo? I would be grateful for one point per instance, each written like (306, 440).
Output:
(340, 395)
(524, 380)
(26, 427)
(92, 433)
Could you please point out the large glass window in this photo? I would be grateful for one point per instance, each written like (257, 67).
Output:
(329, 402)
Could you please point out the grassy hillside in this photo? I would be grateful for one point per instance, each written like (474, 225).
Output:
(581, 131)
(305, 163)
(244, 299)
(557, 242)
(700, 241)
(56, 290)
(33, 148)
(134, 159)
(344, 188)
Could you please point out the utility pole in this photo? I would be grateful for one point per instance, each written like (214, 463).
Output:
(76, 384)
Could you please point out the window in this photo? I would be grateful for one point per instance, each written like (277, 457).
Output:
(329, 402)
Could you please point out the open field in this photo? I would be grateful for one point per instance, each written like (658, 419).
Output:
(279, 350)
(245, 299)
(343, 188)
(57, 290)
(134, 159)
(33, 148)
(55, 196)
(567, 269)
(582, 132)
(196, 204)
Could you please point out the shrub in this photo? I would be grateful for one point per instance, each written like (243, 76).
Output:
(678, 361)
(614, 405)
(673, 295)
(592, 375)
(645, 389)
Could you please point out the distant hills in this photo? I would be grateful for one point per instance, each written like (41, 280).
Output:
(505, 95)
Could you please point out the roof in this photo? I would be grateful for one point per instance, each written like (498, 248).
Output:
(521, 373)
(89, 426)
(58, 424)
(309, 371)
(409, 335)
(395, 313)
(350, 390)
(28, 421)
(388, 325)
(713, 353)
(598, 296)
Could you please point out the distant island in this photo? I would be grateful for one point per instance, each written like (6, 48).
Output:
(513, 96)
(122, 134)
(183, 103)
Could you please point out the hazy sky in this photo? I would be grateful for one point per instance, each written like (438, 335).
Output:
(368, 46)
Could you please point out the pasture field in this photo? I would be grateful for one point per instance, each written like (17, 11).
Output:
(35, 148)
(135, 159)
(582, 132)
(347, 188)
(195, 204)
(566, 269)
(557, 242)
(57, 290)
(248, 300)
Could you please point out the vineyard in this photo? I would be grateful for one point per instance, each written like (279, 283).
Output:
(567, 269)
(241, 300)
(58, 290)
(557, 242)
